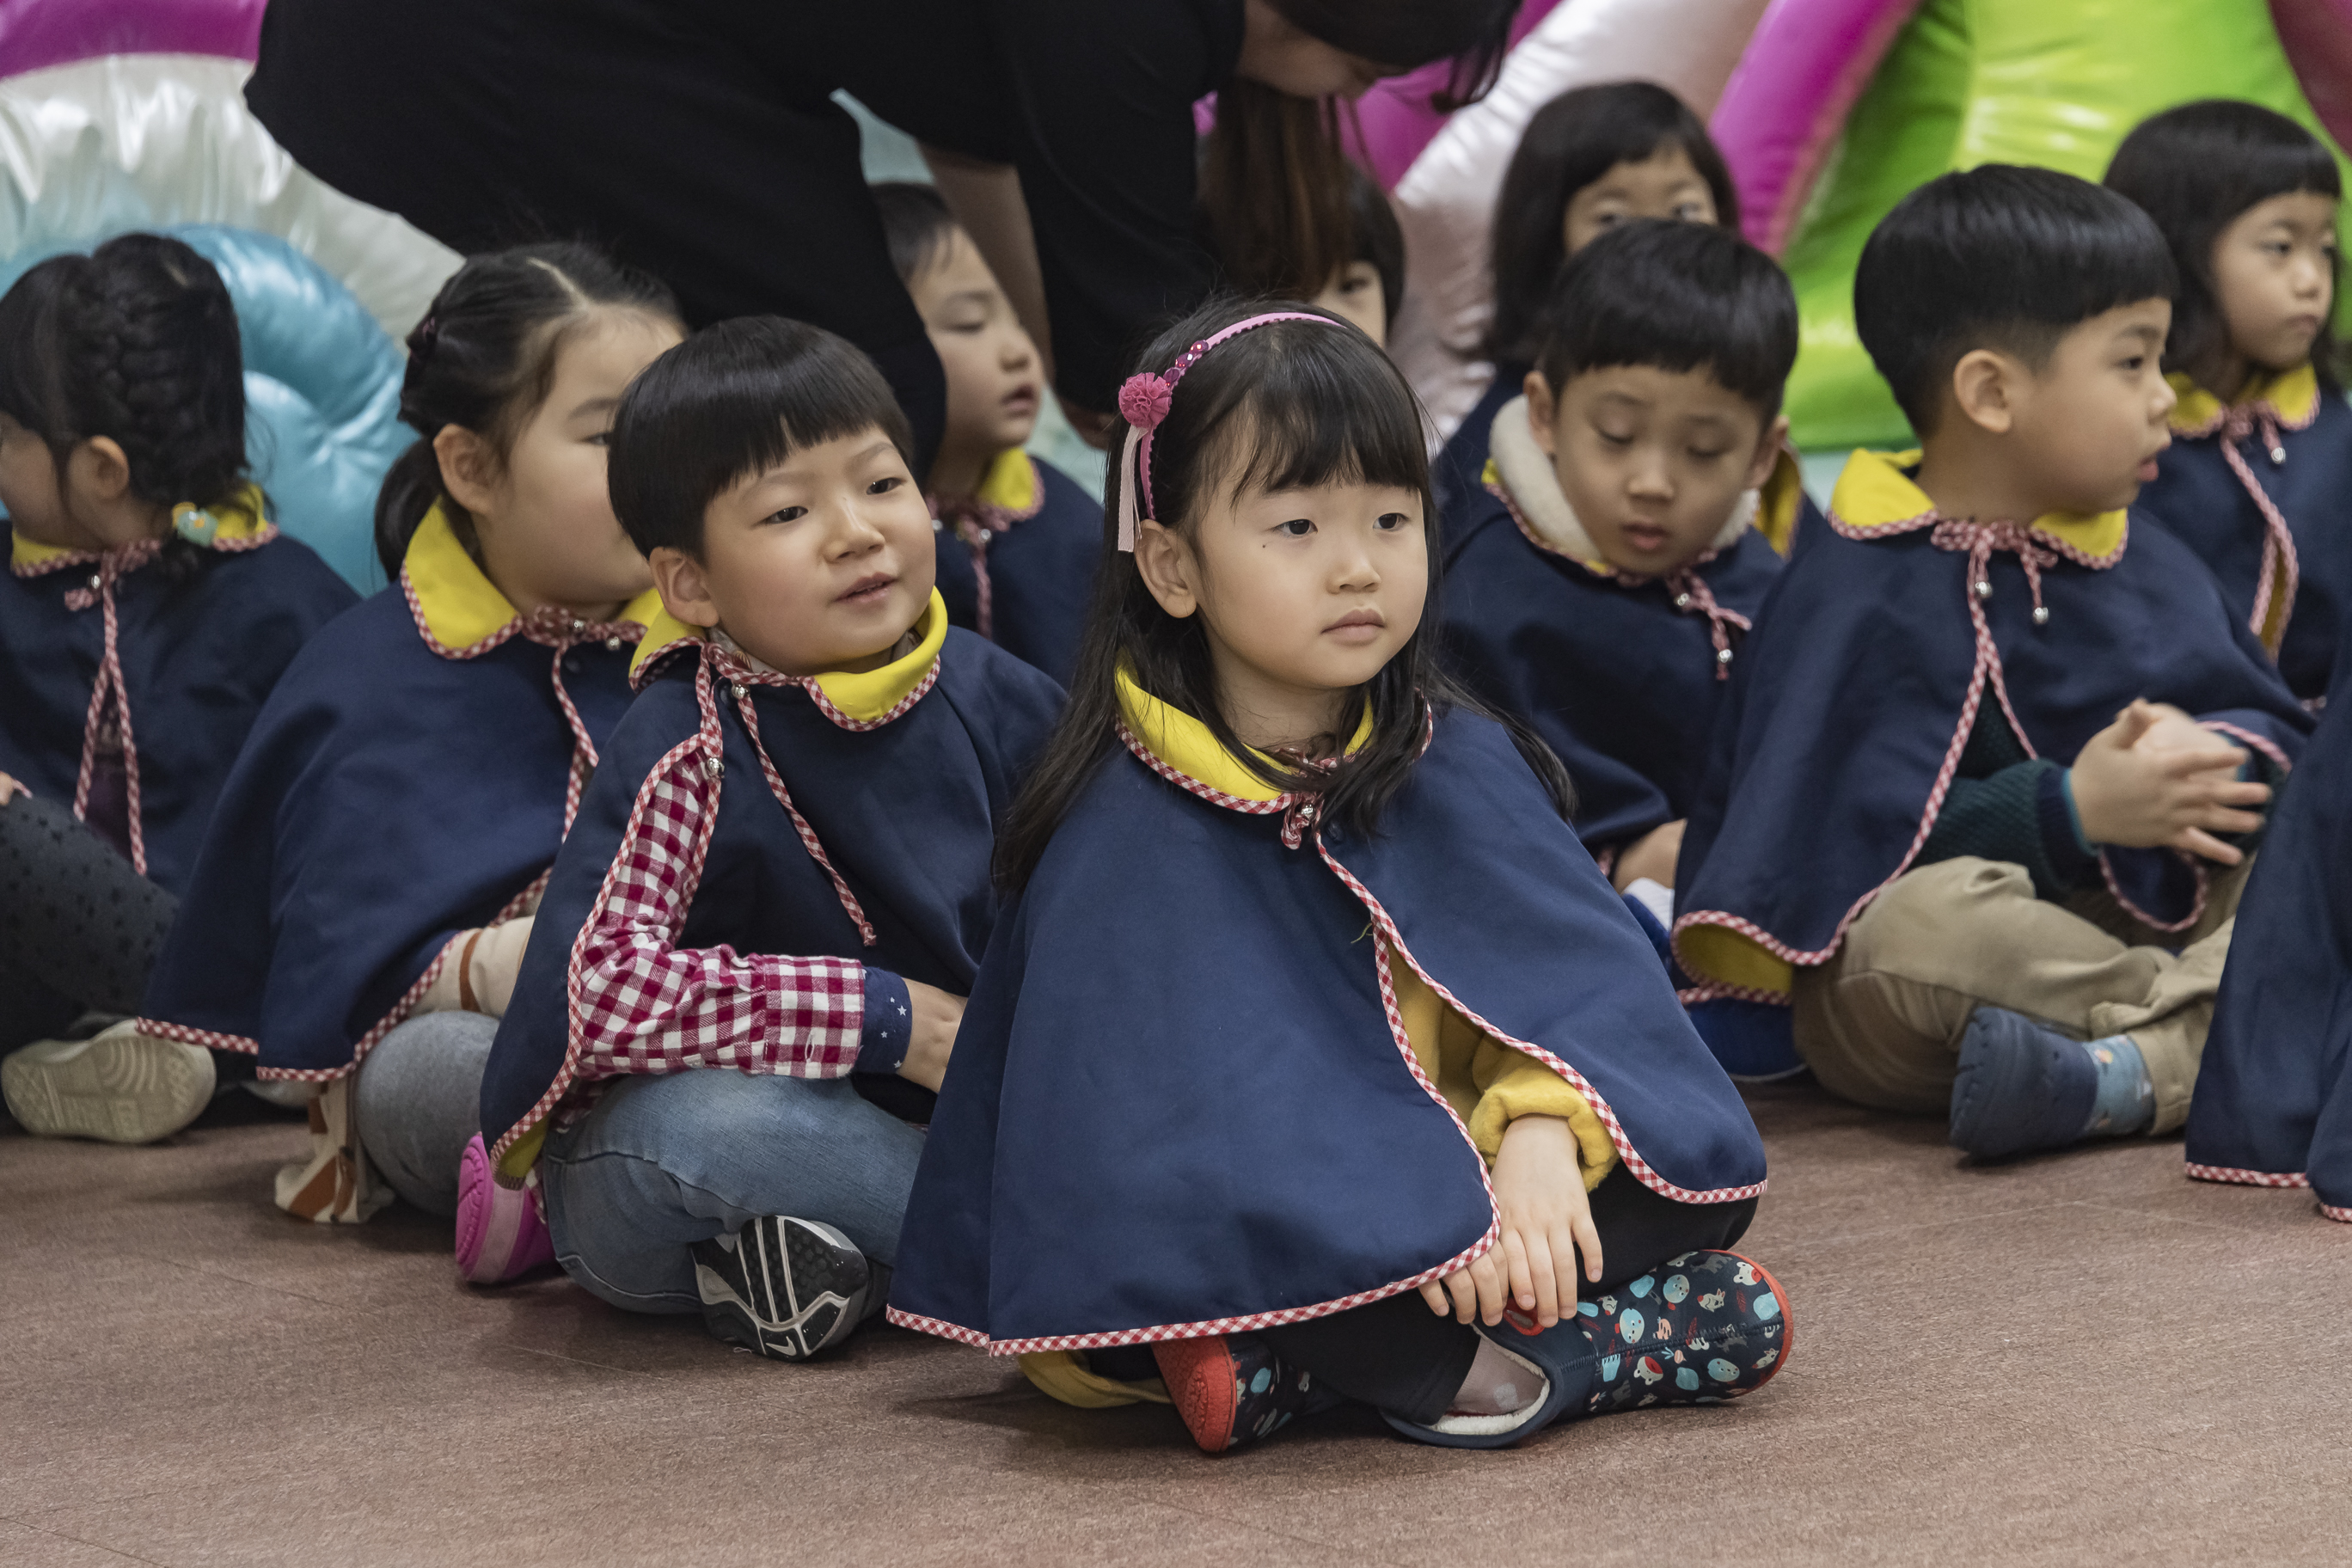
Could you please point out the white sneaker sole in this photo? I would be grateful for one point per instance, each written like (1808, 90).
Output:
(121, 1087)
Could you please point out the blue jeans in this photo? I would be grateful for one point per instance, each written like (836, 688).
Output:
(419, 1099)
(663, 1163)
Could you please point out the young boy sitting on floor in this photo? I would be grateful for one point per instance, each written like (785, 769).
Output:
(1964, 818)
(1601, 580)
(777, 890)
(1018, 539)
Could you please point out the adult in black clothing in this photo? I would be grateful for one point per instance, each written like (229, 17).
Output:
(699, 140)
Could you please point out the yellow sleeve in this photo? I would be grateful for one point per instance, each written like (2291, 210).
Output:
(1512, 1084)
(1065, 1375)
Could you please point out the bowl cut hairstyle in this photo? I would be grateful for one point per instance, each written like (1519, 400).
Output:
(734, 400)
(1997, 256)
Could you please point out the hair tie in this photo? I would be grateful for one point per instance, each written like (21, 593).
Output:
(428, 333)
(1144, 401)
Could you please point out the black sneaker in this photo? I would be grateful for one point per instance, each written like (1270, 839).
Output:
(785, 1288)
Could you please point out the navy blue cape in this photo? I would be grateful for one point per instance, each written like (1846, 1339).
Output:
(1620, 683)
(2273, 1104)
(907, 812)
(1176, 1106)
(388, 799)
(203, 635)
(2200, 497)
(1040, 572)
(1852, 700)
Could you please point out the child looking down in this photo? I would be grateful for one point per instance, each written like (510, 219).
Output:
(747, 973)
(1303, 945)
(1988, 754)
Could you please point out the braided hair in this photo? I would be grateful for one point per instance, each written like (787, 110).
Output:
(483, 358)
(136, 342)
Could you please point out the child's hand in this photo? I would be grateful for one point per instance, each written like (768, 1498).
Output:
(2155, 777)
(938, 1015)
(8, 787)
(1546, 1221)
(1653, 855)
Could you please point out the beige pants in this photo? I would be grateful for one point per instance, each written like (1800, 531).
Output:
(1880, 1022)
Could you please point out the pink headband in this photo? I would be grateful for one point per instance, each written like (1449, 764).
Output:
(1144, 402)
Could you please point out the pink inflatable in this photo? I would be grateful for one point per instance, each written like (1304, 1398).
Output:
(35, 34)
(2318, 39)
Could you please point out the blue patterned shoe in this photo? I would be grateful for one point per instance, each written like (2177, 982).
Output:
(1700, 1329)
(2021, 1088)
(1233, 1389)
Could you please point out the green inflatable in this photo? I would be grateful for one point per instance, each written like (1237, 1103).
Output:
(2053, 83)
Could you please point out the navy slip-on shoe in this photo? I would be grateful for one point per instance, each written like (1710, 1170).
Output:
(2022, 1087)
(1232, 1389)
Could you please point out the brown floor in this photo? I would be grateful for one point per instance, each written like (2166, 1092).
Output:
(2081, 1359)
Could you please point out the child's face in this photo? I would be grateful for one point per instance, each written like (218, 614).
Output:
(994, 379)
(2083, 435)
(28, 487)
(2274, 277)
(1358, 297)
(1305, 594)
(543, 517)
(1653, 460)
(1663, 185)
(820, 564)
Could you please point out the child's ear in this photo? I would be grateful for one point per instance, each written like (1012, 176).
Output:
(98, 470)
(1767, 453)
(1543, 409)
(469, 469)
(1166, 568)
(684, 589)
(1984, 388)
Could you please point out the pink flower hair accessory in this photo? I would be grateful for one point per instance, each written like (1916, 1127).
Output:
(1144, 401)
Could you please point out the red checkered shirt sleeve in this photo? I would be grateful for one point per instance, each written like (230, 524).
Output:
(640, 1004)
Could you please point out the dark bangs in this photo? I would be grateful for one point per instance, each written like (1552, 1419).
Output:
(1998, 256)
(1288, 405)
(735, 400)
(2196, 169)
(31, 388)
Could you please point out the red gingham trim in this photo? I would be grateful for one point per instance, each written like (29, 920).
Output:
(112, 566)
(2260, 744)
(1717, 991)
(2341, 1216)
(205, 1038)
(975, 523)
(808, 838)
(2281, 570)
(2231, 1173)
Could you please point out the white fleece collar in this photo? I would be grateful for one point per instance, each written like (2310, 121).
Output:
(1533, 488)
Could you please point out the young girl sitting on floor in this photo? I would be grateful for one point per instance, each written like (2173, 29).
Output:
(366, 892)
(149, 608)
(1303, 943)
(2258, 480)
(1592, 158)
(1018, 539)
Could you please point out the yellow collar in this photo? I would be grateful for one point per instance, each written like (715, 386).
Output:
(458, 605)
(239, 523)
(865, 696)
(2291, 396)
(1011, 483)
(1875, 494)
(1185, 744)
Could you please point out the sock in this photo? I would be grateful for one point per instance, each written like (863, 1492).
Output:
(1496, 1385)
(2126, 1103)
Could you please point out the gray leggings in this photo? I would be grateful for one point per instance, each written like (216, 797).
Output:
(79, 928)
(419, 1098)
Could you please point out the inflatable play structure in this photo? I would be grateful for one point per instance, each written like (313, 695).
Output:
(123, 114)
(1829, 112)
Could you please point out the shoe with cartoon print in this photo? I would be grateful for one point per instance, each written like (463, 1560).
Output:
(1232, 1389)
(1697, 1329)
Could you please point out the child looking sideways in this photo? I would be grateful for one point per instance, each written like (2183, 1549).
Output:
(1987, 752)
(365, 894)
(149, 608)
(1018, 539)
(1193, 1108)
(756, 942)
(2258, 480)
(1590, 159)
(1599, 582)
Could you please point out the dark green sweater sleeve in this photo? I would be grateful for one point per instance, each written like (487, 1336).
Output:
(2005, 805)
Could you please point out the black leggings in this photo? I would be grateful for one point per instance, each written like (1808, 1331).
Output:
(79, 928)
(1399, 1355)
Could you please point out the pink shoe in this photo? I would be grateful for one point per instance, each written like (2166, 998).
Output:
(500, 1235)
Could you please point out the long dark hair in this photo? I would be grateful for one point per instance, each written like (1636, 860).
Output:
(1405, 33)
(1287, 226)
(1291, 405)
(2195, 169)
(483, 358)
(136, 342)
(1571, 142)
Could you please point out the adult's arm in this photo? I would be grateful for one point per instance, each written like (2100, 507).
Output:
(1104, 95)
